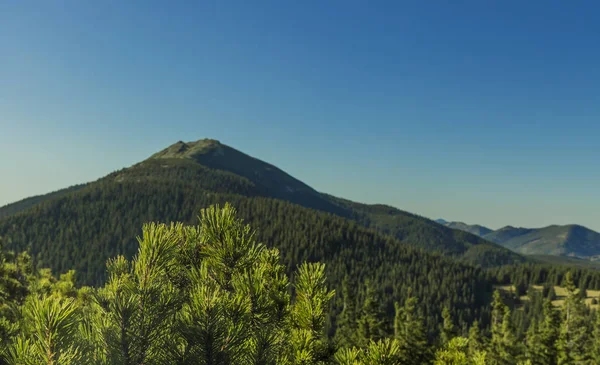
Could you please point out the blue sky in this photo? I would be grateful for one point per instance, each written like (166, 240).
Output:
(481, 111)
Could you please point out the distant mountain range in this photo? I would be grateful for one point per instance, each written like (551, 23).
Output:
(471, 228)
(568, 240)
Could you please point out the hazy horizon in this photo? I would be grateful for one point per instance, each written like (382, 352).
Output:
(480, 113)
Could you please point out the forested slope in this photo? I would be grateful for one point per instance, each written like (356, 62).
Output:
(82, 230)
(392, 249)
(218, 168)
(210, 293)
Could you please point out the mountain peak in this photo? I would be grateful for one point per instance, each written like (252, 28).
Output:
(182, 149)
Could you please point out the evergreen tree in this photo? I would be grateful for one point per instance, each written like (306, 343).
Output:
(309, 314)
(574, 338)
(476, 344)
(371, 325)
(503, 346)
(551, 293)
(207, 294)
(345, 335)
(382, 352)
(15, 273)
(409, 331)
(455, 352)
(596, 339)
(533, 343)
(548, 335)
(447, 330)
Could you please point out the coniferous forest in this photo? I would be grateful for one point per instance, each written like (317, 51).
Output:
(211, 293)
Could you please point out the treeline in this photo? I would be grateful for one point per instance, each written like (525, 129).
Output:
(525, 275)
(212, 294)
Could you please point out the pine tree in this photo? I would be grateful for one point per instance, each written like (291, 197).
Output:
(533, 343)
(596, 339)
(503, 346)
(383, 352)
(447, 330)
(573, 339)
(207, 294)
(345, 335)
(476, 344)
(551, 293)
(410, 332)
(548, 335)
(371, 323)
(309, 314)
(455, 352)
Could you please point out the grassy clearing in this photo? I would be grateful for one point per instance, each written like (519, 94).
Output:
(561, 294)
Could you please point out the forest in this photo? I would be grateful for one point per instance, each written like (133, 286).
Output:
(209, 292)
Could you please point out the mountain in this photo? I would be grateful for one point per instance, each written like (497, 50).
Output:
(83, 227)
(216, 167)
(475, 229)
(568, 240)
(507, 233)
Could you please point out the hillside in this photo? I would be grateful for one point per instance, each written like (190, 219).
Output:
(211, 165)
(82, 228)
(27, 203)
(475, 229)
(507, 233)
(568, 241)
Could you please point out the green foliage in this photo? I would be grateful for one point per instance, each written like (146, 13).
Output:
(548, 335)
(455, 352)
(503, 346)
(574, 337)
(82, 230)
(476, 344)
(596, 339)
(371, 326)
(447, 331)
(49, 333)
(382, 352)
(15, 273)
(212, 294)
(345, 335)
(207, 294)
(410, 332)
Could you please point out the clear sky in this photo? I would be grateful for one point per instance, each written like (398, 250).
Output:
(481, 111)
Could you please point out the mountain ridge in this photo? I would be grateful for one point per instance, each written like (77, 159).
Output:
(570, 240)
(394, 249)
(208, 164)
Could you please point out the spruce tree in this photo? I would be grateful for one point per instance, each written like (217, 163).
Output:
(447, 330)
(409, 330)
(596, 339)
(346, 324)
(548, 335)
(476, 344)
(533, 343)
(371, 326)
(574, 338)
(503, 346)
